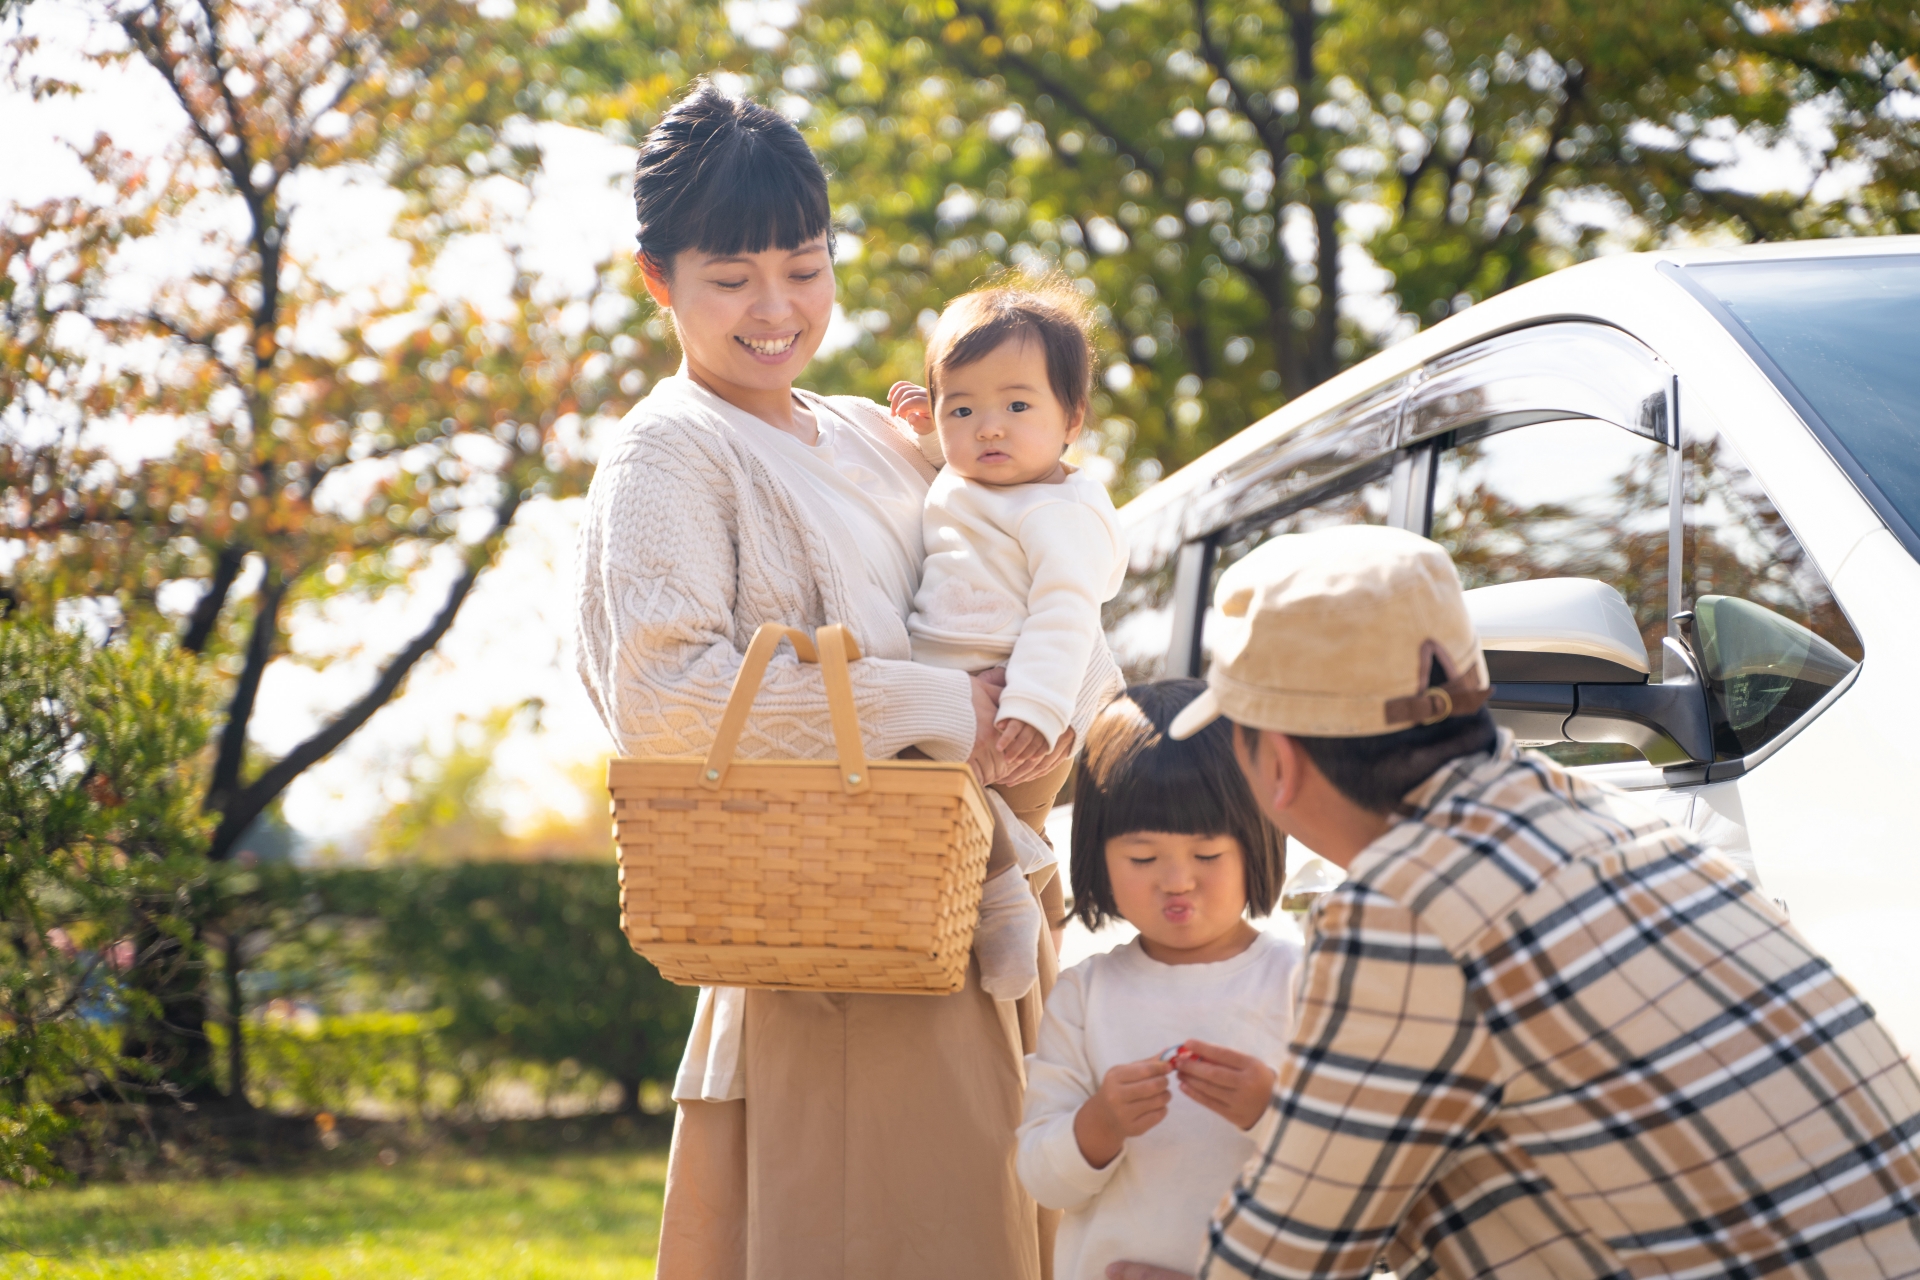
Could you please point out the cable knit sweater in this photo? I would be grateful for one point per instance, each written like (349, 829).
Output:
(692, 538)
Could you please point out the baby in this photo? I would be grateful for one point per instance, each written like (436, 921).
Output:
(1022, 550)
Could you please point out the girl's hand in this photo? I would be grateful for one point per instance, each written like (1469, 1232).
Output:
(1232, 1084)
(1132, 1099)
(985, 758)
(1020, 742)
(911, 403)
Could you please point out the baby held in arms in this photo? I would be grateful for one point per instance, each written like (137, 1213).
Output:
(1022, 550)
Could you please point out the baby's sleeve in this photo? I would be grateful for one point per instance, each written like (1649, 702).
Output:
(1070, 555)
(1059, 1081)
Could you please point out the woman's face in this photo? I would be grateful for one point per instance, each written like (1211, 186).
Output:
(749, 320)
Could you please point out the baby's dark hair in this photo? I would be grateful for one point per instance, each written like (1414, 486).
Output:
(1050, 311)
(1133, 777)
(725, 176)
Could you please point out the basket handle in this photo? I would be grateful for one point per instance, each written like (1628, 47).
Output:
(835, 649)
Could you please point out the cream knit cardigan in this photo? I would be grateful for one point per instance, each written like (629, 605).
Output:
(691, 540)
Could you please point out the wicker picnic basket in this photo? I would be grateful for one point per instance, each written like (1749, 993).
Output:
(801, 875)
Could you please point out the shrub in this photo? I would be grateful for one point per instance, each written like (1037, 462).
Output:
(523, 962)
(100, 873)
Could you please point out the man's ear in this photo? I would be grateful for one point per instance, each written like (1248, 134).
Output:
(1274, 767)
(657, 287)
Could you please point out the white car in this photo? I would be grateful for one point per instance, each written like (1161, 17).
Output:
(1686, 489)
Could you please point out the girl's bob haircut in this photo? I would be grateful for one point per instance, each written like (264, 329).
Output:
(1133, 777)
(726, 176)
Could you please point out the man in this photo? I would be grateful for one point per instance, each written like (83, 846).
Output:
(1540, 1031)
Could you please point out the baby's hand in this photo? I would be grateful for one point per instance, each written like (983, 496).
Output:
(909, 401)
(1132, 1099)
(1020, 742)
(1232, 1084)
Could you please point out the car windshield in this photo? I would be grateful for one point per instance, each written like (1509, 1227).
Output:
(1842, 333)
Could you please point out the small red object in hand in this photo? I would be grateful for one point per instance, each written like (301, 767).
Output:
(1176, 1055)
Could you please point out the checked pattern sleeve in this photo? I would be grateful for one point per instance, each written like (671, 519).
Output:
(1390, 1073)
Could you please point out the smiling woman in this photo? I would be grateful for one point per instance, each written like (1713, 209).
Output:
(817, 1135)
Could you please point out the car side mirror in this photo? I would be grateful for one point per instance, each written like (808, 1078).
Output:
(1568, 665)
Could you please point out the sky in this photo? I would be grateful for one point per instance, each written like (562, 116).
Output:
(512, 639)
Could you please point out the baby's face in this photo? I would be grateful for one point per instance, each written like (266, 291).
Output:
(998, 418)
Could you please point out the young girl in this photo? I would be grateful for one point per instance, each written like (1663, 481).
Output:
(1166, 837)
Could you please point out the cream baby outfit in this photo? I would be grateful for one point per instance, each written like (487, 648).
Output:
(1016, 575)
(1153, 1202)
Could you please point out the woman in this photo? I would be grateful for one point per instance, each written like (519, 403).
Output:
(818, 1135)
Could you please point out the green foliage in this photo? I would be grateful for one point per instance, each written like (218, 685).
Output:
(454, 1216)
(516, 961)
(100, 832)
(1199, 166)
(399, 1062)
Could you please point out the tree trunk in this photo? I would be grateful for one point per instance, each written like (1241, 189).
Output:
(236, 1025)
(167, 1037)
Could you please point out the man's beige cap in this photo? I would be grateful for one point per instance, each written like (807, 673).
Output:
(1336, 634)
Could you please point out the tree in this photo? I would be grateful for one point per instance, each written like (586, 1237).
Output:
(332, 441)
(1226, 179)
(100, 833)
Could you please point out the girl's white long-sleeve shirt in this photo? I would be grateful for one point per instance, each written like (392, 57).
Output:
(1153, 1202)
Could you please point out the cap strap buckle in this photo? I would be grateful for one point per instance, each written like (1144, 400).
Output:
(1430, 706)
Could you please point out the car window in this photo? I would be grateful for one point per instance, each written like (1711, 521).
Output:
(1579, 499)
(1770, 636)
(1839, 335)
(1364, 504)
(1572, 499)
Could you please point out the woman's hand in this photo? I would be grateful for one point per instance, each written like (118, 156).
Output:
(1142, 1271)
(985, 758)
(1132, 1099)
(911, 403)
(1231, 1084)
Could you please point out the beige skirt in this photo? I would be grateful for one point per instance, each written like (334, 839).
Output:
(876, 1140)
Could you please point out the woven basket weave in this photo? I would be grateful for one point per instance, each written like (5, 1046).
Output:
(801, 875)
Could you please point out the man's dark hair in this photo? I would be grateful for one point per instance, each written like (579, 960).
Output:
(1377, 772)
(725, 176)
(1133, 777)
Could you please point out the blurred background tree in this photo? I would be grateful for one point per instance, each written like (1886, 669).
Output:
(1258, 194)
(297, 444)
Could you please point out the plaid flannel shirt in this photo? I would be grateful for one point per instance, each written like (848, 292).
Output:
(1541, 1033)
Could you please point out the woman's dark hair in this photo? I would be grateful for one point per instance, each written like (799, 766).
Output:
(1133, 777)
(725, 176)
(1377, 772)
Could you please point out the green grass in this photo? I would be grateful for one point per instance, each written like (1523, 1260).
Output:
(581, 1216)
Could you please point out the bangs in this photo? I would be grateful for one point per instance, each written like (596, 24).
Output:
(1156, 784)
(755, 199)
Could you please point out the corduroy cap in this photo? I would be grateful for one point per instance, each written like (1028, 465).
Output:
(1348, 632)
